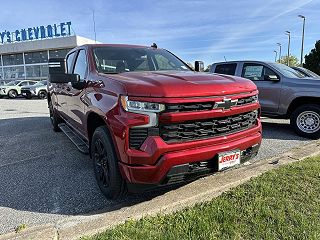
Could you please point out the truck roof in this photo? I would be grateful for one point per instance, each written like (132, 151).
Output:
(240, 61)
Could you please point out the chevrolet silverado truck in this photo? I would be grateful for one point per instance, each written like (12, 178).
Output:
(147, 119)
(283, 93)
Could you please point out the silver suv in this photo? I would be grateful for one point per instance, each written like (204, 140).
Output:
(37, 90)
(283, 92)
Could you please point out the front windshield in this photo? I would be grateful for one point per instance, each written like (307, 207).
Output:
(128, 59)
(12, 83)
(311, 73)
(286, 71)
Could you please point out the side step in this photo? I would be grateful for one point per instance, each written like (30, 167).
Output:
(80, 144)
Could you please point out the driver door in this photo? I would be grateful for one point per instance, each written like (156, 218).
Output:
(269, 90)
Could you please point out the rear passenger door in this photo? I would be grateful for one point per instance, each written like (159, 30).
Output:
(269, 90)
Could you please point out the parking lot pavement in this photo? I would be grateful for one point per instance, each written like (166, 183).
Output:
(43, 178)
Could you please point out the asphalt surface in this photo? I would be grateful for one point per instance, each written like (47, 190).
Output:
(43, 177)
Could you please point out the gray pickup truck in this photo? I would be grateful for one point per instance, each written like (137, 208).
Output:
(283, 92)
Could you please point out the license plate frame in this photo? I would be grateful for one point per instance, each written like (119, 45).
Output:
(229, 159)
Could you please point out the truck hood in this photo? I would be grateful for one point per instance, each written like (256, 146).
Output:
(181, 84)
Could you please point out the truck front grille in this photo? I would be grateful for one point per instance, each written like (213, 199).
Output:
(206, 106)
(202, 129)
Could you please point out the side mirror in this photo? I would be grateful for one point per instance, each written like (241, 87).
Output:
(271, 78)
(58, 72)
(198, 66)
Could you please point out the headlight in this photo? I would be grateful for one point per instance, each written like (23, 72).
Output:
(136, 106)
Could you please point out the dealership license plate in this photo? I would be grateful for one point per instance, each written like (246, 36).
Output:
(24, 94)
(228, 159)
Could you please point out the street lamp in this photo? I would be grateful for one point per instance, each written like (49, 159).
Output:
(288, 60)
(279, 44)
(302, 42)
(275, 58)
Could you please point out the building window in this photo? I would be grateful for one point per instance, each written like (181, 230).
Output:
(37, 71)
(12, 59)
(13, 72)
(58, 53)
(36, 57)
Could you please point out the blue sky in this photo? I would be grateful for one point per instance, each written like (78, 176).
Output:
(192, 29)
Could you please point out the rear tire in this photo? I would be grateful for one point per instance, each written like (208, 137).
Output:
(55, 120)
(12, 94)
(106, 165)
(305, 120)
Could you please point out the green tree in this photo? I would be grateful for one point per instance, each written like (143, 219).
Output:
(293, 60)
(312, 60)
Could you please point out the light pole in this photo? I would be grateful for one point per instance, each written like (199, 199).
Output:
(275, 58)
(288, 60)
(302, 41)
(279, 44)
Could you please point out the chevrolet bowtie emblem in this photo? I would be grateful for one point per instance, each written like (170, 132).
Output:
(226, 104)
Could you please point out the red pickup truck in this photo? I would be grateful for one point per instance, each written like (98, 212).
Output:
(147, 119)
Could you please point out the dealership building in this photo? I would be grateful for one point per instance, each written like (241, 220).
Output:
(24, 53)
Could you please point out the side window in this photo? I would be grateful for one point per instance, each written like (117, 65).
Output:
(228, 69)
(81, 64)
(256, 72)
(23, 83)
(70, 58)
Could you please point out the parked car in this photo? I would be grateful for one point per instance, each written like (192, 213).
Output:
(283, 92)
(147, 119)
(13, 88)
(306, 72)
(37, 90)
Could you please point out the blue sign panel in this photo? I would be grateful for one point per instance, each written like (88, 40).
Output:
(36, 33)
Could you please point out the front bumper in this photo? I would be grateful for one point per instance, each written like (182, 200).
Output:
(28, 93)
(184, 165)
(3, 92)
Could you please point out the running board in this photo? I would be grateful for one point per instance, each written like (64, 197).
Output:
(75, 139)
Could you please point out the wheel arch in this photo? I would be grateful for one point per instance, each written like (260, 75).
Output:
(299, 101)
(95, 120)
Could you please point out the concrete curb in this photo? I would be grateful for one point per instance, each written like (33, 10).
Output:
(199, 191)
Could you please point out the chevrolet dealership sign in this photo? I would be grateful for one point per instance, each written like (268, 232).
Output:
(36, 33)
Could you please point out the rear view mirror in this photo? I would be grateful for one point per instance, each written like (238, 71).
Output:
(58, 72)
(271, 78)
(198, 66)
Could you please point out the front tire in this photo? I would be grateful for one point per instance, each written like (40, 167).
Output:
(42, 94)
(106, 167)
(12, 94)
(305, 120)
(55, 120)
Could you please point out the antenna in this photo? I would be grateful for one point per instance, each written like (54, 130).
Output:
(225, 58)
(94, 27)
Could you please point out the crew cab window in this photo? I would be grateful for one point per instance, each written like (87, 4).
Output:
(228, 69)
(256, 72)
(70, 58)
(81, 64)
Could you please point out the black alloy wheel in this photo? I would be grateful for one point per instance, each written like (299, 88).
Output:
(106, 166)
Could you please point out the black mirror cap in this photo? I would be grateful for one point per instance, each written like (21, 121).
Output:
(271, 78)
(63, 78)
(57, 66)
(198, 66)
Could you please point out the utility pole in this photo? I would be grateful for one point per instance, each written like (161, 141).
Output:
(94, 27)
(275, 58)
(279, 44)
(289, 39)
(302, 41)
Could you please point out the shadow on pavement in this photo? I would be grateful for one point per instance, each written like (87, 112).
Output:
(42, 172)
